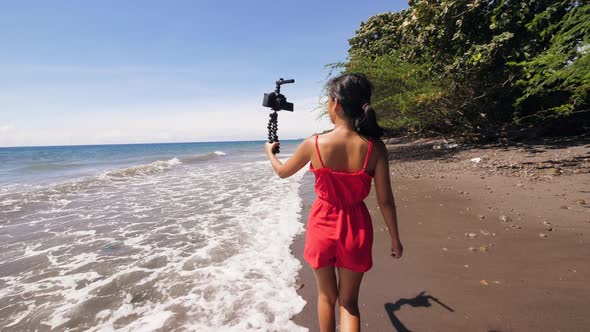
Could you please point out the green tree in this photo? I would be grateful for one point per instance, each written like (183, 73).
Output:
(476, 65)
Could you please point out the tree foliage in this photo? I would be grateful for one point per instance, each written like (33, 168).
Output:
(476, 65)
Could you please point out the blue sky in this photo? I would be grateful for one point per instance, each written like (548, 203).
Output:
(99, 72)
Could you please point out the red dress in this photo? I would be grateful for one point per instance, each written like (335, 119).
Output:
(339, 230)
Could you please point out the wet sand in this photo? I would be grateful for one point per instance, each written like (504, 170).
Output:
(501, 244)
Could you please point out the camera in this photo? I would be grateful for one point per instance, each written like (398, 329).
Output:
(276, 100)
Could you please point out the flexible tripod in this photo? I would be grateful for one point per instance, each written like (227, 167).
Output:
(276, 101)
(273, 126)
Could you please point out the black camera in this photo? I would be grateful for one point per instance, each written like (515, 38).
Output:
(276, 100)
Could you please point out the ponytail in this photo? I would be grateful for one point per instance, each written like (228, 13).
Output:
(366, 123)
(352, 90)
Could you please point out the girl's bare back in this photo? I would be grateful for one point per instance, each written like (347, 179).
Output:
(343, 151)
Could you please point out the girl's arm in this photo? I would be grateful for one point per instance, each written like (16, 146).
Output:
(385, 197)
(299, 159)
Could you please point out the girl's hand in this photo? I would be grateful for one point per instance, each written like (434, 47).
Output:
(396, 248)
(270, 147)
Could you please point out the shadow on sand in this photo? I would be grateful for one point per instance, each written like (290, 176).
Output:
(421, 300)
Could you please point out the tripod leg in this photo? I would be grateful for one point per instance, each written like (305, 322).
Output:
(272, 130)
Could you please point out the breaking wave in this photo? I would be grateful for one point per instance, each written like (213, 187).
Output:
(155, 167)
(202, 157)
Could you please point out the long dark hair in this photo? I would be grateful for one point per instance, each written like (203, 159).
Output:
(353, 92)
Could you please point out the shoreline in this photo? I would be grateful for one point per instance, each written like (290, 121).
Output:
(498, 244)
(305, 284)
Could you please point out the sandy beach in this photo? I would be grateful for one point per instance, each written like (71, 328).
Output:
(496, 238)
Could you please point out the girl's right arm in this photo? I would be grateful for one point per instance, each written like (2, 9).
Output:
(385, 198)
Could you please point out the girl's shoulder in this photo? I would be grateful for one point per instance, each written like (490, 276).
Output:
(379, 147)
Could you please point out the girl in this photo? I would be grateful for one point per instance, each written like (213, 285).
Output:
(339, 233)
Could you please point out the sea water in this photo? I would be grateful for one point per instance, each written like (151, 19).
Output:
(143, 237)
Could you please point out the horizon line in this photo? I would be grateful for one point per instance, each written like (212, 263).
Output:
(142, 143)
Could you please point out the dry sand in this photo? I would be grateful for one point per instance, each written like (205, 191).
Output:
(499, 244)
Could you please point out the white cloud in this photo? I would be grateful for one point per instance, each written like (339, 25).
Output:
(6, 129)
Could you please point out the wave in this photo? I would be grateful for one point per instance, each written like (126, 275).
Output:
(50, 166)
(202, 157)
(85, 182)
(81, 184)
(155, 167)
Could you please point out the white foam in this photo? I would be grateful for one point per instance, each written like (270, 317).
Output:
(8, 202)
(209, 247)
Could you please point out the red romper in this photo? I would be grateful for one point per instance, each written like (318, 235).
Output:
(339, 229)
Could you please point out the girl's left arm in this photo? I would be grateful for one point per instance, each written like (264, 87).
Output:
(299, 159)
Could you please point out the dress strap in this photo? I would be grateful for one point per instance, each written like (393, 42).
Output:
(318, 151)
(368, 154)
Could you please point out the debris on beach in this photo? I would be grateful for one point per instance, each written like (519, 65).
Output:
(438, 158)
(548, 226)
(470, 235)
(551, 171)
(542, 235)
(504, 218)
(447, 146)
(483, 282)
(481, 216)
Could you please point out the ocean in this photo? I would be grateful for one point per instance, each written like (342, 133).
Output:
(144, 237)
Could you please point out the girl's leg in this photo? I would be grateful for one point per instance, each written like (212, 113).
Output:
(349, 283)
(327, 295)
